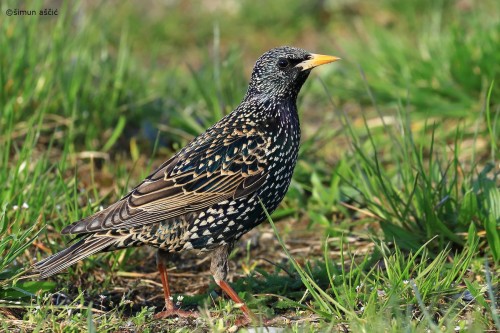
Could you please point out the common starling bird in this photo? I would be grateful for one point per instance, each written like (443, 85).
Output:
(209, 193)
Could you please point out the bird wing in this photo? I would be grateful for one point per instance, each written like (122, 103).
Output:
(221, 164)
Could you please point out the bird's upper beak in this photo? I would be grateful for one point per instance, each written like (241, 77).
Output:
(316, 60)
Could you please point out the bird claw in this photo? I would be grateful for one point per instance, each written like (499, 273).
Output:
(245, 320)
(176, 313)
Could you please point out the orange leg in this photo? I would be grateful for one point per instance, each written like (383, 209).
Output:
(219, 269)
(169, 303)
(170, 310)
(250, 316)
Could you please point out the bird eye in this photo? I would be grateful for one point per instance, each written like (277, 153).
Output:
(283, 63)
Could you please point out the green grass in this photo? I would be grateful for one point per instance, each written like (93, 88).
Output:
(398, 174)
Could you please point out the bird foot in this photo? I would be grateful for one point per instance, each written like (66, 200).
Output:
(173, 312)
(244, 321)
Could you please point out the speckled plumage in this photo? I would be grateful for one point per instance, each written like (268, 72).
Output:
(207, 195)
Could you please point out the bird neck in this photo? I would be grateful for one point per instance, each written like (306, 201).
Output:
(272, 87)
(281, 97)
(279, 113)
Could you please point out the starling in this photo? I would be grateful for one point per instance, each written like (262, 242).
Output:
(209, 193)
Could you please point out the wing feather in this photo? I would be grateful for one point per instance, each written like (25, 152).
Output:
(222, 163)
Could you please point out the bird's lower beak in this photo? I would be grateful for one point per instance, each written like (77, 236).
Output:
(316, 60)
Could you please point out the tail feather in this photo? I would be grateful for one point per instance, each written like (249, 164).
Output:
(67, 257)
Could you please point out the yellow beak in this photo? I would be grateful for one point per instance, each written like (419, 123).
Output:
(316, 60)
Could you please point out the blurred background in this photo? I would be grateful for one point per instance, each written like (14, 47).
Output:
(436, 57)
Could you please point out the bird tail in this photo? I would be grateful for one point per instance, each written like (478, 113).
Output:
(67, 257)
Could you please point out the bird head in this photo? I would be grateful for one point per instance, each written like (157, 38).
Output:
(281, 72)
